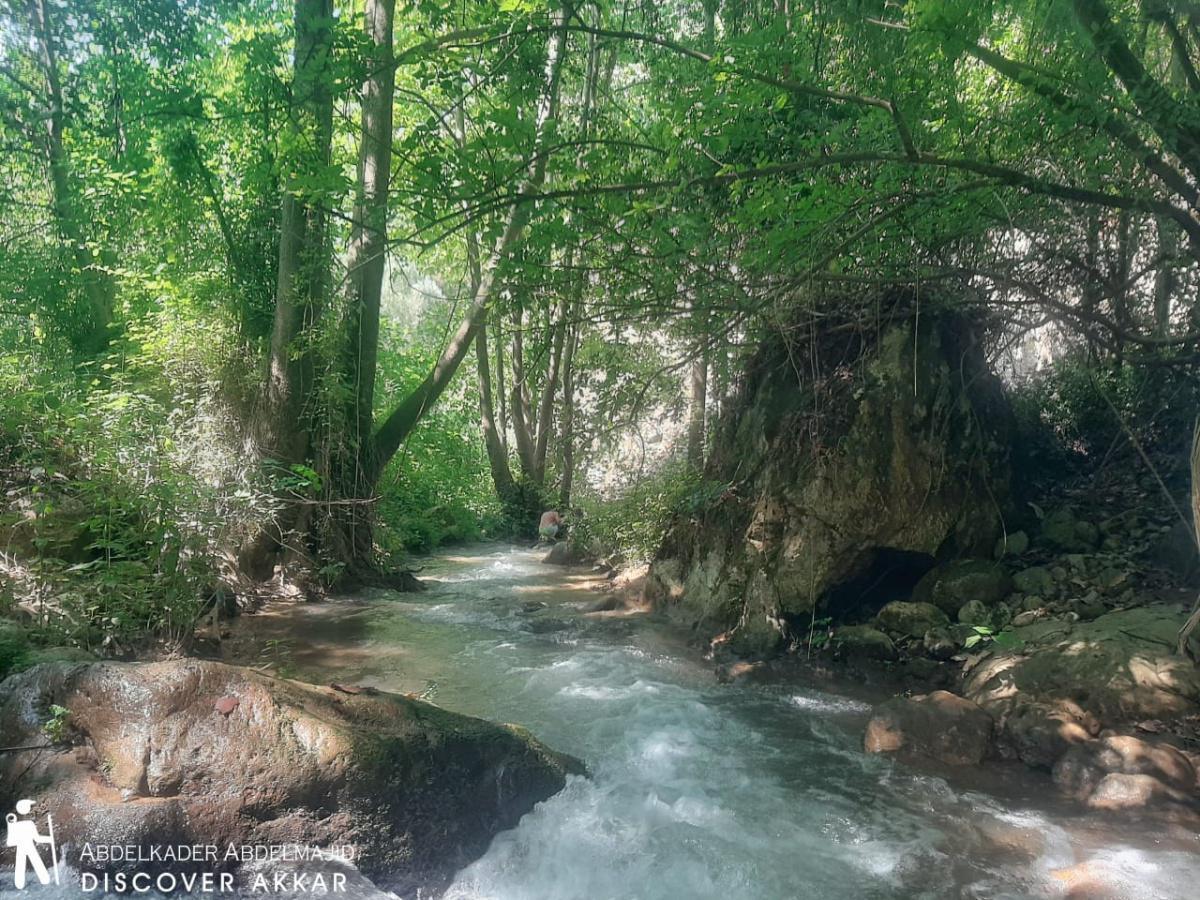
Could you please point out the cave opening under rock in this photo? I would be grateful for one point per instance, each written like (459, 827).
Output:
(883, 574)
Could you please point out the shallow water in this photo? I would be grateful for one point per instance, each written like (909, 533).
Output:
(700, 789)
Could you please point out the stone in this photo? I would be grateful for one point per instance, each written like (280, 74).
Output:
(974, 613)
(939, 725)
(863, 642)
(1089, 609)
(949, 587)
(417, 790)
(910, 619)
(1085, 765)
(1118, 792)
(1028, 617)
(563, 554)
(1063, 531)
(1175, 551)
(1011, 545)
(939, 644)
(1067, 681)
(1035, 580)
(1039, 734)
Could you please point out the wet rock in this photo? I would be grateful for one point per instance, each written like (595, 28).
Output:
(1034, 580)
(863, 642)
(948, 587)
(1175, 551)
(1118, 791)
(1011, 545)
(1090, 608)
(974, 613)
(1044, 631)
(910, 619)
(563, 554)
(940, 725)
(1028, 617)
(1040, 733)
(1085, 765)
(740, 671)
(416, 789)
(939, 644)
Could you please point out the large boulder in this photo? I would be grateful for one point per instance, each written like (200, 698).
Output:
(1064, 682)
(196, 752)
(841, 474)
(941, 725)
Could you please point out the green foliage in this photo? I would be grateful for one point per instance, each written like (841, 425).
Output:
(1090, 408)
(57, 727)
(121, 491)
(984, 635)
(631, 526)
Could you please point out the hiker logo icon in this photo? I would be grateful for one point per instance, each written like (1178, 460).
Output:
(24, 837)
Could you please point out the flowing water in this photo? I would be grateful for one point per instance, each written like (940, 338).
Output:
(700, 789)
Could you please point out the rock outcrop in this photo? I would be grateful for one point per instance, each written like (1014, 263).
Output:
(195, 752)
(884, 455)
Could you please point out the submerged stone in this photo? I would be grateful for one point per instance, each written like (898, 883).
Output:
(863, 642)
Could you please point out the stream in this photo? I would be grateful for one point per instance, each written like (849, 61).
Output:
(701, 789)
(698, 789)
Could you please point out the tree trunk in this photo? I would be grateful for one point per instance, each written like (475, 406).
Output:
(98, 288)
(366, 267)
(301, 282)
(497, 456)
(545, 423)
(1164, 278)
(697, 404)
(520, 400)
(567, 442)
(404, 418)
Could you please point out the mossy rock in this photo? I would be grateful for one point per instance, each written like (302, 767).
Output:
(948, 587)
(910, 619)
(863, 642)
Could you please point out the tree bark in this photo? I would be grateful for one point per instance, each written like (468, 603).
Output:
(502, 478)
(697, 405)
(98, 288)
(404, 418)
(368, 237)
(351, 517)
(1164, 278)
(567, 441)
(301, 281)
(545, 422)
(520, 399)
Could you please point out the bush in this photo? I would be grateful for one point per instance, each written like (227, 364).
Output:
(122, 488)
(1082, 409)
(631, 527)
